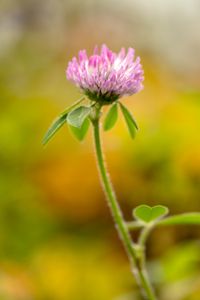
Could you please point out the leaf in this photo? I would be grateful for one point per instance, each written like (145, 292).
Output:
(111, 117)
(77, 116)
(147, 213)
(183, 219)
(59, 122)
(80, 133)
(130, 122)
(55, 126)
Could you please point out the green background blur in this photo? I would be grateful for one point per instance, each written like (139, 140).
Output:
(57, 238)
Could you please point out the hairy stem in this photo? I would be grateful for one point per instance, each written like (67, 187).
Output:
(136, 258)
(145, 233)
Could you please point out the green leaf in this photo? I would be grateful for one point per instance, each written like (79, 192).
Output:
(147, 213)
(77, 116)
(130, 122)
(80, 133)
(55, 126)
(111, 117)
(183, 219)
(59, 122)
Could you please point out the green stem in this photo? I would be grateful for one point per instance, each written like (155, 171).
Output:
(113, 204)
(145, 282)
(145, 233)
(137, 261)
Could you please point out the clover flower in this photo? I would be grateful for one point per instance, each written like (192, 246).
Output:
(106, 76)
(103, 78)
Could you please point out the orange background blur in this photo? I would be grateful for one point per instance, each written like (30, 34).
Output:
(57, 238)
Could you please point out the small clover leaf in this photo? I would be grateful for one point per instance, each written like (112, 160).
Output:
(55, 126)
(77, 116)
(111, 117)
(130, 122)
(81, 132)
(147, 213)
(59, 122)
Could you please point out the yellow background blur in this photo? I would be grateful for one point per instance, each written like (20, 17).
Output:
(57, 238)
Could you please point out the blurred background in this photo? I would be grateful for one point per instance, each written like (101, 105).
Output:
(57, 238)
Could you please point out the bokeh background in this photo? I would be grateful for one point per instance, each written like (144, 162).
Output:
(57, 239)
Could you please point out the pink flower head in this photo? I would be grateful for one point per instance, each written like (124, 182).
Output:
(106, 76)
